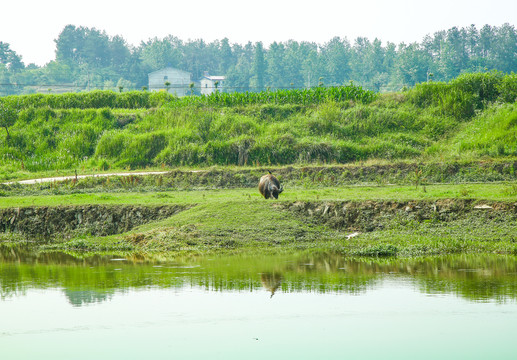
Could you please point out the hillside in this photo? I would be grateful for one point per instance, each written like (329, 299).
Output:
(471, 118)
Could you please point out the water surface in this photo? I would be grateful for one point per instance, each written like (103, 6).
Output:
(55, 306)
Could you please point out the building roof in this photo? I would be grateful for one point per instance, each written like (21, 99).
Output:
(169, 69)
(214, 77)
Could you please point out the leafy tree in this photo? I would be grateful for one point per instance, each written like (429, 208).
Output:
(293, 62)
(57, 73)
(119, 53)
(454, 56)
(11, 66)
(157, 54)
(238, 76)
(227, 56)
(505, 48)
(195, 58)
(82, 45)
(90, 58)
(390, 54)
(486, 41)
(276, 72)
(96, 51)
(360, 70)
(336, 55)
(68, 43)
(472, 41)
(313, 66)
(411, 64)
(375, 66)
(135, 70)
(9, 58)
(259, 67)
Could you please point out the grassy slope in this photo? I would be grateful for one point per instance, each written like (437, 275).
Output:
(240, 220)
(429, 124)
(432, 122)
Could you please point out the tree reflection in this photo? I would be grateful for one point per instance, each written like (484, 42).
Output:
(97, 278)
(86, 297)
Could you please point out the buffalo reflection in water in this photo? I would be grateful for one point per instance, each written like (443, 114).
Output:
(271, 281)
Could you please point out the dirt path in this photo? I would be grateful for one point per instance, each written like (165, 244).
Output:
(62, 178)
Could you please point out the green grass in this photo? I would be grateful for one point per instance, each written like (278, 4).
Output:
(492, 134)
(424, 141)
(240, 221)
(260, 227)
(494, 192)
(462, 120)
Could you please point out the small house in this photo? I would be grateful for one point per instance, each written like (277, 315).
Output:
(172, 80)
(211, 83)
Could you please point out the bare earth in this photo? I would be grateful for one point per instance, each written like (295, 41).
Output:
(62, 178)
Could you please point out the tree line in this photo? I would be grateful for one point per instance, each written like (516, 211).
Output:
(88, 58)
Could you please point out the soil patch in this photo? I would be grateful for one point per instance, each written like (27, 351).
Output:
(97, 220)
(375, 215)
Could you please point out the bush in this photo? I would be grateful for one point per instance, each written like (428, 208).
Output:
(448, 99)
(483, 86)
(110, 145)
(381, 250)
(508, 89)
(427, 94)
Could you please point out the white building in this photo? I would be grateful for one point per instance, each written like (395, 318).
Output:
(211, 83)
(172, 80)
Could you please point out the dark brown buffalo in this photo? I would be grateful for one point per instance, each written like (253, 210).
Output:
(269, 186)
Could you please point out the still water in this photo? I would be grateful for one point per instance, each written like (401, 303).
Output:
(55, 306)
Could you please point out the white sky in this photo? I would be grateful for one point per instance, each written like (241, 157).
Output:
(30, 26)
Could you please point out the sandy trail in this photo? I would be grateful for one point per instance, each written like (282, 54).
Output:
(62, 178)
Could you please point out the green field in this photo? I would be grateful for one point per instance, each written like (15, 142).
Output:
(449, 146)
(239, 220)
(492, 192)
(473, 117)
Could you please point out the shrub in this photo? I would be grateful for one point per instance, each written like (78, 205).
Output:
(110, 145)
(381, 250)
(483, 86)
(508, 88)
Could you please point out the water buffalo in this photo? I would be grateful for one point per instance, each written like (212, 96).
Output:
(269, 186)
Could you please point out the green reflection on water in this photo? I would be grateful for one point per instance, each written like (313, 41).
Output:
(98, 278)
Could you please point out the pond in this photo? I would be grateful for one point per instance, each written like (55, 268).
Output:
(55, 306)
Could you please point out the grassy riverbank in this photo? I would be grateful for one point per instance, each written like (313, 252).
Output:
(405, 171)
(383, 221)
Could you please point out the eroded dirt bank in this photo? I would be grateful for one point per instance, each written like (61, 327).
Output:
(364, 216)
(375, 215)
(97, 220)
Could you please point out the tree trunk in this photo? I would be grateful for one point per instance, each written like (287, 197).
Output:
(8, 136)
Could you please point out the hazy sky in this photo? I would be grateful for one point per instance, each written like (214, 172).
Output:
(31, 26)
